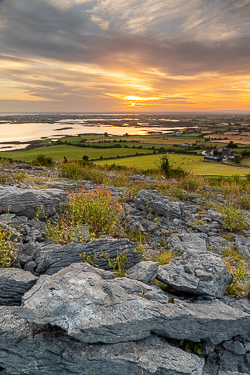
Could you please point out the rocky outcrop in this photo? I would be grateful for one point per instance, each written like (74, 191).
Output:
(53, 257)
(186, 242)
(201, 273)
(44, 350)
(79, 319)
(26, 202)
(94, 310)
(13, 284)
(153, 202)
(145, 271)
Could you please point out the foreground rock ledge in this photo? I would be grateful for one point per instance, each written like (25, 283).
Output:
(43, 350)
(91, 309)
(26, 202)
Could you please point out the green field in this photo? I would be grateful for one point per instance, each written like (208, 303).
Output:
(71, 153)
(246, 161)
(188, 163)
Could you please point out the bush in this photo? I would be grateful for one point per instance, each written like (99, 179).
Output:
(234, 219)
(7, 250)
(95, 209)
(43, 161)
(81, 170)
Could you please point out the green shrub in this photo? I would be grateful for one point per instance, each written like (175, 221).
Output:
(81, 170)
(7, 250)
(95, 209)
(43, 161)
(237, 265)
(234, 219)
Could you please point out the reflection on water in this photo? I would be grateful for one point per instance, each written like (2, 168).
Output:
(11, 147)
(25, 132)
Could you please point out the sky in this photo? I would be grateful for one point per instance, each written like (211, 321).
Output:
(124, 55)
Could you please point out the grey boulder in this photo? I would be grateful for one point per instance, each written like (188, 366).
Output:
(145, 271)
(199, 273)
(14, 283)
(151, 201)
(26, 202)
(44, 350)
(186, 242)
(53, 257)
(94, 310)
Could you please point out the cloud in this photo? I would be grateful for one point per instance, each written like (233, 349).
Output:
(144, 48)
(100, 22)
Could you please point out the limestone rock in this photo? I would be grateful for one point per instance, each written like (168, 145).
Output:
(187, 242)
(14, 283)
(94, 310)
(44, 350)
(199, 273)
(145, 271)
(25, 202)
(153, 202)
(243, 246)
(54, 257)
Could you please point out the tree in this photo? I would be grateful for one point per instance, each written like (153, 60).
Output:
(166, 167)
(237, 159)
(85, 158)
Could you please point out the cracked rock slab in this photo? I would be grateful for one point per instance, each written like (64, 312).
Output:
(186, 243)
(52, 258)
(14, 283)
(25, 201)
(153, 202)
(94, 310)
(44, 350)
(199, 273)
(145, 271)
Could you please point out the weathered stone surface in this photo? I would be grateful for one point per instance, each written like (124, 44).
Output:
(231, 373)
(44, 350)
(25, 202)
(94, 310)
(243, 246)
(14, 283)
(53, 258)
(187, 242)
(234, 346)
(218, 244)
(155, 203)
(199, 273)
(145, 271)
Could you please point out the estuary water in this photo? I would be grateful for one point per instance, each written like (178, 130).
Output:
(25, 132)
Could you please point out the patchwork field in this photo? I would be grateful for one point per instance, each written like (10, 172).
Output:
(240, 139)
(71, 152)
(189, 163)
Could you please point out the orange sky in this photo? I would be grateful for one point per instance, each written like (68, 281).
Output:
(114, 55)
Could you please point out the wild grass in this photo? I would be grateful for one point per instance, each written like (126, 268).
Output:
(7, 250)
(93, 211)
(237, 265)
(164, 257)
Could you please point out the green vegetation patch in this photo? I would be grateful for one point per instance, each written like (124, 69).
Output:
(189, 163)
(57, 153)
